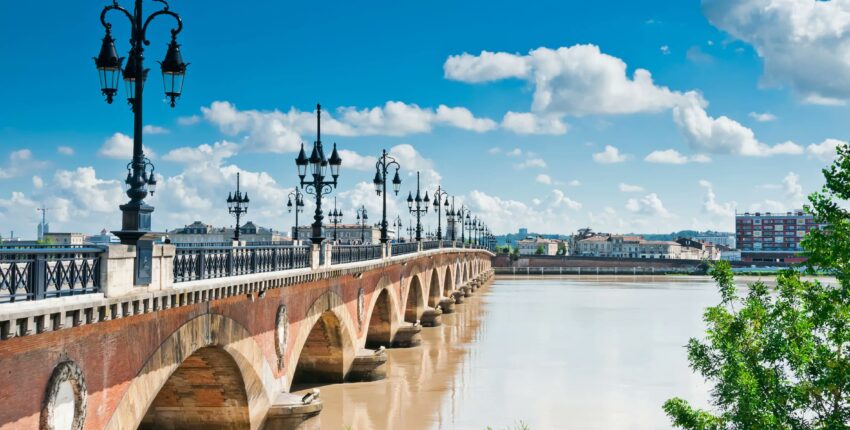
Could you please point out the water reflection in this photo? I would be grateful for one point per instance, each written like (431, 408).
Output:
(558, 354)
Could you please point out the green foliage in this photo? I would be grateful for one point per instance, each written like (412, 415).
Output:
(781, 359)
(45, 241)
(540, 250)
(519, 426)
(562, 248)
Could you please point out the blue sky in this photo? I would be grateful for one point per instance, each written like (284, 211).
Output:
(550, 115)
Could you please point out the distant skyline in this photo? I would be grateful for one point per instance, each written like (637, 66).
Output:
(552, 115)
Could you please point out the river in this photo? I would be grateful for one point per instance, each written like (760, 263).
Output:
(553, 353)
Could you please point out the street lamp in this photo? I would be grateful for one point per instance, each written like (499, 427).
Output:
(362, 216)
(336, 217)
(382, 167)
(397, 227)
(451, 217)
(141, 179)
(438, 203)
(237, 205)
(318, 169)
(298, 206)
(416, 206)
(462, 217)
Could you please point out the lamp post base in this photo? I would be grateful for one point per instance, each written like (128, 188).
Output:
(135, 223)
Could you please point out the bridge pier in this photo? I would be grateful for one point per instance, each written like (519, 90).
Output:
(458, 296)
(447, 305)
(291, 412)
(368, 366)
(407, 336)
(431, 317)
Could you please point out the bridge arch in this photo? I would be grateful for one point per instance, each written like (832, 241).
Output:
(434, 290)
(325, 345)
(448, 282)
(383, 316)
(415, 303)
(209, 344)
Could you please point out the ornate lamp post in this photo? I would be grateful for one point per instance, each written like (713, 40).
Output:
(298, 206)
(416, 206)
(382, 167)
(237, 205)
(451, 217)
(336, 218)
(438, 207)
(362, 216)
(410, 231)
(462, 217)
(397, 227)
(141, 180)
(318, 170)
(481, 230)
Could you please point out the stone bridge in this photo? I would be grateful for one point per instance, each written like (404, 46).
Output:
(217, 353)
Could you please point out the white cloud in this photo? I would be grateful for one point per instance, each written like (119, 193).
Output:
(486, 66)
(763, 117)
(722, 135)
(574, 183)
(665, 50)
(154, 129)
(120, 146)
(671, 156)
(792, 197)
(355, 161)
(530, 123)
(826, 150)
(649, 205)
(65, 150)
(629, 188)
(204, 154)
(494, 150)
(609, 156)
(576, 80)
(37, 182)
(462, 118)
(544, 179)
(516, 152)
(90, 193)
(21, 162)
(803, 43)
(412, 160)
(711, 206)
(551, 214)
(189, 120)
(561, 200)
(532, 162)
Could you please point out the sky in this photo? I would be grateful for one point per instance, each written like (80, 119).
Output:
(648, 116)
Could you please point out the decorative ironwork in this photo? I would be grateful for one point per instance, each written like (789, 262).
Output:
(46, 272)
(193, 264)
(431, 244)
(342, 254)
(405, 248)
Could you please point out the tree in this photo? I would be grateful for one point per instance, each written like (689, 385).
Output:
(781, 359)
(562, 248)
(540, 250)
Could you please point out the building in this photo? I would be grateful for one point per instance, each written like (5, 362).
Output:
(104, 238)
(200, 233)
(772, 237)
(717, 239)
(348, 234)
(64, 238)
(627, 246)
(531, 246)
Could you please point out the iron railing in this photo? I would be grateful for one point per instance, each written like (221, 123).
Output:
(591, 271)
(35, 273)
(405, 248)
(447, 244)
(431, 244)
(192, 264)
(341, 254)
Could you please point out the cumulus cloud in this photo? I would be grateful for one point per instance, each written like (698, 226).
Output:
(530, 123)
(793, 196)
(671, 156)
(544, 179)
(803, 43)
(609, 155)
(763, 116)
(629, 188)
(649, 205)
(189, 120)
(486, 66)
(722, 135)
(281, 132)
(516, 152)
(549, 214)
(65, 150)
(120, 146)
(826, 150)
(711, 206)
(37, 182)
(154, 129)
(355, 161)
(21, 162)
(532, 162)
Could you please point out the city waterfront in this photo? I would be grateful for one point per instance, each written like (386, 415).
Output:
(554, 353)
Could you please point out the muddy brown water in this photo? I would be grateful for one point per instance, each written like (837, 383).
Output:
(553, 353)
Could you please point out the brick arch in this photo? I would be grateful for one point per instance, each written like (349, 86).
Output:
(328, 321)
(448, 281)
(208, 330)
(382, 315)
(414, 304)
(434, 289)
